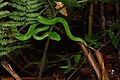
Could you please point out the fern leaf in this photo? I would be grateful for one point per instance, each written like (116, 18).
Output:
(4, 13)
(32, 2)
(33, 10)
(18, 2)
(19, 7)
(23, 0)
(1, 1)
(32, 14)
(5, 41)
(18, 13)
(17, 18)
(33, 6)
(31, 19)
(2, 53)
(3, 4)
(11, 23)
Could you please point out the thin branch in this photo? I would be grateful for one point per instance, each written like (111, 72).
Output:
(90, 19)
(8, 67)
(91, 60)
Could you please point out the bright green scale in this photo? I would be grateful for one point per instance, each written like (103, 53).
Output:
(52, 35)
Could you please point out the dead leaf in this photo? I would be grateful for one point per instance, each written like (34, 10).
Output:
(63, 11)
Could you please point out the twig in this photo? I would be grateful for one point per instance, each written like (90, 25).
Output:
(91, 60)
(90, 19)
(72, 74)
(46, 46)
(101, 62)
(7, 66)
(44, 57)
(102, 21)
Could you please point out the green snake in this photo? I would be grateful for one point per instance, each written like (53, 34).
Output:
(33, 32)
(52, 35)
(65, 25)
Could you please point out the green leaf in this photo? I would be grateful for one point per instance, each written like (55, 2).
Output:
(19, 7)
(32, 14)
(68, 62)
(4, 14)
(1, 1)
(23, 0)
(33, 6)
(115, 42)
(19, 2)
(3, 4)
(110, 33)
(83, 62)
(18, 13)
(64, 67)
(11, 23)
(68, 70)
(77, 58)
(34, 9)
(32, 63)
(17, 18)
(32, 2)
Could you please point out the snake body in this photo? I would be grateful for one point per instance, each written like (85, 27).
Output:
(52, 35)
(20, 36)
(65, 25)
(33, 32)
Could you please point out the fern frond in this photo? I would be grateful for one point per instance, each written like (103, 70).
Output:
(32, 6)
(17, 6)
(23, 0)
(17, 18)
(18, 2)
(3, 4)
(33, 10)
(11, 23)
(7, 49)
(31, 19)
(32, 2)
(32, 14)
(26, 12)
(4, 13)
(1, 1)
(5, 41)
(18, 13)
(2, 53)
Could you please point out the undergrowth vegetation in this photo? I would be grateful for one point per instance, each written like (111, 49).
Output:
(95, 21)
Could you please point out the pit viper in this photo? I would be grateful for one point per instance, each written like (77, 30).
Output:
(33, 32)
(52, 35)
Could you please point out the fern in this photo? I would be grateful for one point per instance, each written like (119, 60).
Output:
(3, 13)
(26, 11)
(6, 43)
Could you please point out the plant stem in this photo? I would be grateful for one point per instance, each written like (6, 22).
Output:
(102, 21)
(91, 60)
(46, 45)
(90, 19)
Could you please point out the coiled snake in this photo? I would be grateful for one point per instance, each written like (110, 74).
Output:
(52, 35)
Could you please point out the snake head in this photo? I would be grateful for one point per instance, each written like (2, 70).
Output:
(54, 36)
